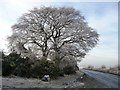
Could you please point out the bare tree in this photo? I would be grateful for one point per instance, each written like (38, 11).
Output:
(62, 31)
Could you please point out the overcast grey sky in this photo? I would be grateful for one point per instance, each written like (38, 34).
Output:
(102, 16)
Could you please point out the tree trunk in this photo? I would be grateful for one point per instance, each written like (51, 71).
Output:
(57, 56)
(44, 50)
(44, 57)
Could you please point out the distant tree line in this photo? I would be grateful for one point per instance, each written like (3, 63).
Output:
(103, 68)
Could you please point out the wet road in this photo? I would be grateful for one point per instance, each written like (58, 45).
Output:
(108, 79)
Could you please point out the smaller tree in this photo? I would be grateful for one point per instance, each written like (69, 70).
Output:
(90, 67)
(103, 67)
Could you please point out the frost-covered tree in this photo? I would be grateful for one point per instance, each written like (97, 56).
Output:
(45, 31)
(103, 67)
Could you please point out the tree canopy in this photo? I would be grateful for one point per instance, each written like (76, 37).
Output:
(55, 33)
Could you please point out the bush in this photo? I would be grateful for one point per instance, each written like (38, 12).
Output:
(14, 64)
(6, 68)
(41, 68)
(69, 70)
(23, 69)
(9, 63)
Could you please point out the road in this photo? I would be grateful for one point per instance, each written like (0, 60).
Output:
(108, 79)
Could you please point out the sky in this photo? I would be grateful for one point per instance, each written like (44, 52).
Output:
(100, 15)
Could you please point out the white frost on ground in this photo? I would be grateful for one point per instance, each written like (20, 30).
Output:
(61, 82)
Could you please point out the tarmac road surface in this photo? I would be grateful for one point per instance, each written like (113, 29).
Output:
(108, 79)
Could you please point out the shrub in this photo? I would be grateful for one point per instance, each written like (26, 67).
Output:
(41, 68)
(14, 64)
(103, 67)
(9, 63)
(23, 69)
(69, 70)
(61, 73)
(6, 68)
